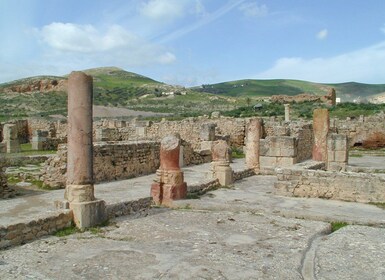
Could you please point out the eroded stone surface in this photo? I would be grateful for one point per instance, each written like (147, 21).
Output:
(171, 245)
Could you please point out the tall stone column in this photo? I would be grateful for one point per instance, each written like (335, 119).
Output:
(80, 181)
(321, 124)
(287, 112)
(253, 135)
(220, 165)
(169, 184)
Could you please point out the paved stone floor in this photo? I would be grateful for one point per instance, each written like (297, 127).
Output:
(242, 232)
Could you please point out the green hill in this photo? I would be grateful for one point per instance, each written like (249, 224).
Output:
(114, 87)
(346, 91)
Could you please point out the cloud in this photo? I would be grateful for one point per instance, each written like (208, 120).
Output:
(322, 34)
(85, 38)
(163, 10)
(115, 45)
(252, 9)
(364, 65)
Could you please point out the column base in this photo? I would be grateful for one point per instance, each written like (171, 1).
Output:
(89, 214)
(165, 194)
(224, 174)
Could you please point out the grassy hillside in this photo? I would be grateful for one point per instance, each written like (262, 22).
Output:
(346, 91)
(115, 87)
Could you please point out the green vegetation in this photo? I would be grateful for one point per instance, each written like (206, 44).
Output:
(115, 87)
(237, 153)
(337, 225)
(67, 231)
(349, 109)
(378, 204)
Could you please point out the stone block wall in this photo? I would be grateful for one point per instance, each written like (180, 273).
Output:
(23, 232)
(357, 187)
(358, 130)
(112, 161)
(116, 161)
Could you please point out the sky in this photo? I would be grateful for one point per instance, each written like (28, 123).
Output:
(194, 42)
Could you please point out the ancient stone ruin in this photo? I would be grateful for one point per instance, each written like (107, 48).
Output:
(87, 210)
(220, 165)
(252, 144)
(169, 184)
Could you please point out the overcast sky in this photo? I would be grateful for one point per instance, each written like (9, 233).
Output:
(193, 42)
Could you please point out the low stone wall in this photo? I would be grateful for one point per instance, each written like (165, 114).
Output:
(23, 232)
(128, 207)
(357, 187)
(112, 161)
(116, 161)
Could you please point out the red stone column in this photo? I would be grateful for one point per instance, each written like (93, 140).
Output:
(80, 189)
(321, 124)
(169, 184)
(253, 136)
(80, 151)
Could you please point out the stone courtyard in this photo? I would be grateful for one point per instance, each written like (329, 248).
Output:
(241, 232)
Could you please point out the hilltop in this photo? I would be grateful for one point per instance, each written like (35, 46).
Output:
(114, 87)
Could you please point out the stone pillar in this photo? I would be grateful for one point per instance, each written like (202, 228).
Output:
(332, 97)
(38, 139)
(287, 112)
(253, 135)
(141, 131)
(338, 151)
(102, 134)
(79, 191)
(169, 184)
(207, 132)
(10, 138)
(321, 124)
(220, 165)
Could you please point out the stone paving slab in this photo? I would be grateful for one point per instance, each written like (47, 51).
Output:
(177, 244)
(256, 194)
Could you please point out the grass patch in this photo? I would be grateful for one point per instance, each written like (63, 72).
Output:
(237, 153)
(337, 225)
(378, 204)
(66, 231)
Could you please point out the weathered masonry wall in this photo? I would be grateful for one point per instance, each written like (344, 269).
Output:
(357, 187)
(362, 129)
(116, 161)
(23, 232)
(112, 161)
(285, 143)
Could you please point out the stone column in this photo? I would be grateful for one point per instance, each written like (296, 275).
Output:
(10, 138)
(169, 184)
(80, 181)
(220, 165)
(207, 132)
(287, 112)
(321, 124)
(38, 139)
(338, 151)
(253, 135)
